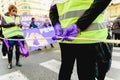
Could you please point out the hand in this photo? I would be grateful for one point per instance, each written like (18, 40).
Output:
(58, 32)
(70, 32)
(16, 23)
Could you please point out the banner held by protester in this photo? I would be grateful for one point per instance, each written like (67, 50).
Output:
(38, 38)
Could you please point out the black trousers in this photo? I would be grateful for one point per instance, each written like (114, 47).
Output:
(85, 56)
(4, 49)
(10, 54)
(117, 36)
(102, 69)
(51, 45)
(17, 50)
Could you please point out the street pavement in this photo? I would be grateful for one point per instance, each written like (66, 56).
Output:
(44, 65)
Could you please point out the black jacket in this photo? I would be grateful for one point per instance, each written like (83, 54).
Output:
(1, 35)
(87, 18)
(116, 26)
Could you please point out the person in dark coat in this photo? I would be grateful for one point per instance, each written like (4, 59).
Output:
(32, 24)
(4, 48)
(116, 29)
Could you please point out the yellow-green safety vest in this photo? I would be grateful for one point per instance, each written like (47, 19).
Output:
(12, 31)
(71, 10)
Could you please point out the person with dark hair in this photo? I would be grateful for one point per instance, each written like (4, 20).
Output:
(11, 29)
(32, 24)
(73, 20)
(4, 48)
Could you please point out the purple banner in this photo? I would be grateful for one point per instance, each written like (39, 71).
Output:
(38, 38)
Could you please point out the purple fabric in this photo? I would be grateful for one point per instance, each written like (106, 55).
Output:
(6, 25)
(44, 32)
(28, 33)
(58, 32)
(53, 6)
(25, 53)
(20, 25)
(71, 31)
(6, 43)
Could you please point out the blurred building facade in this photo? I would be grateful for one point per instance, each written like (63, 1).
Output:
(40, 8)
(113, 10)
(28, 7)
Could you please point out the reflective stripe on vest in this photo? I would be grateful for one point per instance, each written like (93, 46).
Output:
(12, 31)
(72, 14)
(68, 15)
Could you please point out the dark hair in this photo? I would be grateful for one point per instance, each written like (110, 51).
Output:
(32, 18)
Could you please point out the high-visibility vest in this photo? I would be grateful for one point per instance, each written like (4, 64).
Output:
(71, 10)
(12, 31)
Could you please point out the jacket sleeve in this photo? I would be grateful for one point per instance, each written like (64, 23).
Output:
(20, 25)
(5, 25)
(53, 14)
(91, 14)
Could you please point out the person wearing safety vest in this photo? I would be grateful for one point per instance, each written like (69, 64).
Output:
(11, 29)
(76, 23)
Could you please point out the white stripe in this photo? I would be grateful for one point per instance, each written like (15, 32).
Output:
(115, 64)
(116, 48)
(17, 75)
(54, 66)
(58, 51)
(117, 54)
(106, 78)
